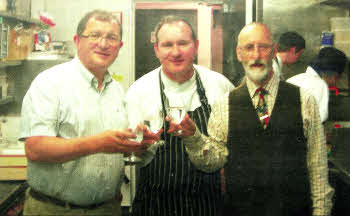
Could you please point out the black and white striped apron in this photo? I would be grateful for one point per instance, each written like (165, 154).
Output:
(170, 184)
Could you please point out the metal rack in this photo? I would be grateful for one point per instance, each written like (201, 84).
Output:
(19, 18)
(338, 3)
(4, 40)
(6, 100)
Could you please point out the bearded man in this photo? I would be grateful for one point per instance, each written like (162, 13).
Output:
(275, 156)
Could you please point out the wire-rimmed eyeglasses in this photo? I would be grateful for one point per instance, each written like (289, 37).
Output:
(112, 39)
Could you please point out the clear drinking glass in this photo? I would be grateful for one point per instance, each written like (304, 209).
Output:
(155, 124)
(177, 114)
(132, 158)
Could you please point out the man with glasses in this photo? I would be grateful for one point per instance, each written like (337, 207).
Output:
(275, 156)
(73, 120)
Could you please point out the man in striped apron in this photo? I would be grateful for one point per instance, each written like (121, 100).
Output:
(170, 182)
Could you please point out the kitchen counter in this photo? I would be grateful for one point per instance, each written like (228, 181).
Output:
(338, 134)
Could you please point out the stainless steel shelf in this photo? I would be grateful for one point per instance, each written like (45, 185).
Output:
(337, 3)
(8, 63)
(6, 100)
(20, 18)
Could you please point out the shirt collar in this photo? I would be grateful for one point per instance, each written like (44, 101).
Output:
(177, 87)
(88, 76)
(279, 61)
(311, 71)
(271, 86)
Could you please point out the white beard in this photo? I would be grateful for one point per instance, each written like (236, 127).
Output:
(257, 74)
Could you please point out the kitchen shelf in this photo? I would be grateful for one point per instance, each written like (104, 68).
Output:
(8, 63)
(19, 18)
(338, 3)
(6, 100)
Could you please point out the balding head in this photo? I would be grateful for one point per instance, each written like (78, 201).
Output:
(254, 31)
(255, 50)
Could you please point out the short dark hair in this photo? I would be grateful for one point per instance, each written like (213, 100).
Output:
(172, 19)
(290, 39)
(100, 15)
(329, 61)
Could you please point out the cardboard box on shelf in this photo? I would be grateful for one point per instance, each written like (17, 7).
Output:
(21, 43)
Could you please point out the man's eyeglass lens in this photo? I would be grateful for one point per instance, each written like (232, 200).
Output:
(110, 38)
(260, 47)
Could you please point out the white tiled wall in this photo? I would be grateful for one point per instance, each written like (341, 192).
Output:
(340, 26)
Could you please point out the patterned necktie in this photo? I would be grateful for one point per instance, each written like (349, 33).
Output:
(261, 109)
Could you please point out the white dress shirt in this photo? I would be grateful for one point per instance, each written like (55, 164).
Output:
(312, 82)
(277, 66)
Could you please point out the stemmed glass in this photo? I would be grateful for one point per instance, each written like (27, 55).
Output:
(178, 113)
(155, 125)
(156, 122)
(132, 158)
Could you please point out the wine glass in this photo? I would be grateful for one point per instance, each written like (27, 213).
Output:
(157, 122)
(177, 114)
(132, 158)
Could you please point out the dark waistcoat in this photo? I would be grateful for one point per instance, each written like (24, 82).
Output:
(266, 173)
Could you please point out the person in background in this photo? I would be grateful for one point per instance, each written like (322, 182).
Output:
(324, 71)
(169, 183)
(330, 63)
(290, 47)
(74, 126)
(275, 151)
